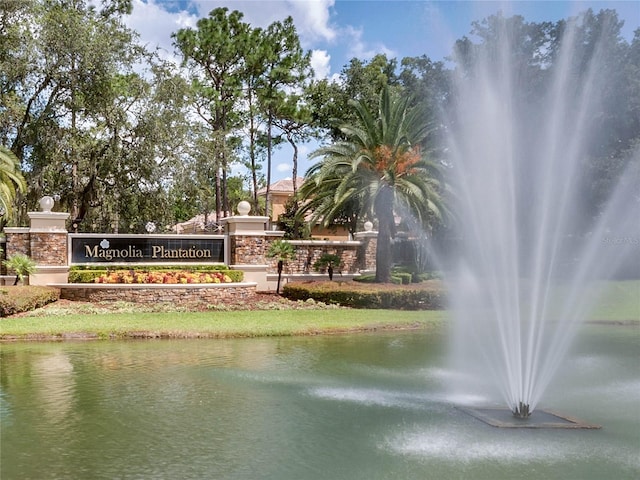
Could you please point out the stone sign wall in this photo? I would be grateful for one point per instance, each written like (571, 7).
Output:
(243, 247)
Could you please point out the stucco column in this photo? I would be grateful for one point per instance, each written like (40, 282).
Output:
(247, 245)
(48, 245)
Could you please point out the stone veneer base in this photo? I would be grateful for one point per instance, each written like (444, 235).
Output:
(188, 295)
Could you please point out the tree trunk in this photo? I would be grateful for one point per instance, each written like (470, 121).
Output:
(268, 192)
(384, 212)
(218, 193)
(252, 154)
(280, 265)
(295, 163)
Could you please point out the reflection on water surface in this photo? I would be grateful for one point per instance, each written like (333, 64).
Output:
(370, 406)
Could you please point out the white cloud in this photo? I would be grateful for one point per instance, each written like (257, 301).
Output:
(311, 17)
(360, 49)
(155, 25)
(320, 63)
(284, 167)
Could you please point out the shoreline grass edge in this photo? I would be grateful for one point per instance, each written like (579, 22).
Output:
(238, 324)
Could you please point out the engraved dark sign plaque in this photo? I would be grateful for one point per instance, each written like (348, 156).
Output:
(158, 249)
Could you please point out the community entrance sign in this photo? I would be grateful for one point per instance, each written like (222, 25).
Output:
(173, 249)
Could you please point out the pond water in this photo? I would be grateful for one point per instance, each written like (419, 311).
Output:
(366, 406)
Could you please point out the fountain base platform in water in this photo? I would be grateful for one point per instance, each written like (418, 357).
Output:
(504, 418)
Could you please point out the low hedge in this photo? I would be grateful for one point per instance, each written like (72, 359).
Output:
(84, 274)
(371, 278)
(424, 296)
(401, 277)
(23, 298)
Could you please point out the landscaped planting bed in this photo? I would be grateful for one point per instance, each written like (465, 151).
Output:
(427, 295)
(188, 287)
(169, 277)
(145, 274)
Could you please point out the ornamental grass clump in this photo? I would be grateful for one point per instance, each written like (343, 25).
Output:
(22, 265)
(328, 261)
(282, 251)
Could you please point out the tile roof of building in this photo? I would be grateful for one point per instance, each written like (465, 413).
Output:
(282, 186)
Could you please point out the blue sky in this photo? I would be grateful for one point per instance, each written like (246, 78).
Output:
(335, 31)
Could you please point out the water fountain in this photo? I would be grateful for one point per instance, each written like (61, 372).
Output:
(530, 257)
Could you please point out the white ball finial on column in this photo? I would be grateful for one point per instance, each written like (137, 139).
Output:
(46, 204)
(243, 208)
(368, 226)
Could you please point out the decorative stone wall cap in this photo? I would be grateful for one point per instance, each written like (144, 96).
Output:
(371, 234)
(274, 233)
(41, 229)
(244, 219)
(52, 269)
(146, 235)
(302, 277)
(48, 215)
(248, 268)
(247, 233)
(153, 286)
(16, 230)
(336, 243)
(149, 265)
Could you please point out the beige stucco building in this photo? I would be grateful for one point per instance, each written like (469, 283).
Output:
(279, 194)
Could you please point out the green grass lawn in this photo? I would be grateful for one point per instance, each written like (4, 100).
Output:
(620, 302)
(215, 324)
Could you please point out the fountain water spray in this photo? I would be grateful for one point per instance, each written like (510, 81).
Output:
(530, 256)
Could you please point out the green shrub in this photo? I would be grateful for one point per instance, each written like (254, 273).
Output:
(365, 278)
(427, 296)
(237, 276)
(84, 276)
(421, 277)
(25, 298)
(326, 260)
(371, 278)
(404, 277)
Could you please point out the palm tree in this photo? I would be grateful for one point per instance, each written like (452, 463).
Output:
(22, 265)
(11, 180)
(283, 251)
(381, 166)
